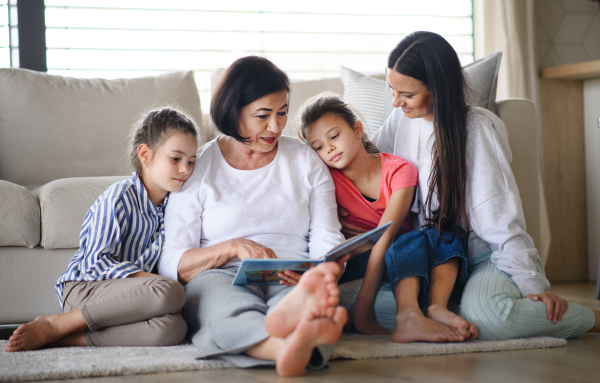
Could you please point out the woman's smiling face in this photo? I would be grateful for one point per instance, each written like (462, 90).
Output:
(263, 120)
(411, 95)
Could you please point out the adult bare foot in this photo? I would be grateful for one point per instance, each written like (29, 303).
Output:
(316, 294)
(413, 326)
(444, 316)
(44, 330)
(310, 332)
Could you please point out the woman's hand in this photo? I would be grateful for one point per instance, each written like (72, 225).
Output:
(555, 305)
(349, 230)
(362, 318)
(289, 278)
(247, 249)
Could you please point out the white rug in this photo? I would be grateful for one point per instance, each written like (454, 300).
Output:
(83, 362)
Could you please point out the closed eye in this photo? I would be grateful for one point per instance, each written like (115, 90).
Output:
(334, 136)
(262, 116)
(175, 159)
(281, 114)
(318, 148)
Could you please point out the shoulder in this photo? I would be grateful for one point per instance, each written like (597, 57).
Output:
(293, 148)
(392, 163)
(485, 126)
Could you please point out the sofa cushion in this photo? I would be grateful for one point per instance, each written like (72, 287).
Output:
(64, 204)
(55, 127)
(20, 216)
(367, 94)
(482, 76)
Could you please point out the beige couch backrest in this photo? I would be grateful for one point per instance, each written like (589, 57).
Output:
(55, 127)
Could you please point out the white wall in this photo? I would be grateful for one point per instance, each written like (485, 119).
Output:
(591, 115)
(567, 31)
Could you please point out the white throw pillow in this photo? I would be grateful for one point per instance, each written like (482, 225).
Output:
(367, 94)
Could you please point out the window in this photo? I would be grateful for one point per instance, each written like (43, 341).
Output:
(4, 35)
(307, 39)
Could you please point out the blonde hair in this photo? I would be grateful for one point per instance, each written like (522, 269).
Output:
(326, 103)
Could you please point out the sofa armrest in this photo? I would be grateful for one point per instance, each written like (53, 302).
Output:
(19, 216)
(519, 115)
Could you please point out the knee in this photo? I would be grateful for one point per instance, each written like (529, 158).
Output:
(170, 296)
(168, 330)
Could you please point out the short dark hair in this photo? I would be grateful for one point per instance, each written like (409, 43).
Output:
(245, 81)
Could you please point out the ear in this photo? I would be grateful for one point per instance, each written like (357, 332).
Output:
(144, 154)
(358, 129)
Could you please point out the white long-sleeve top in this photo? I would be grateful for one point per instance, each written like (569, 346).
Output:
(493, 202)
(288, 206)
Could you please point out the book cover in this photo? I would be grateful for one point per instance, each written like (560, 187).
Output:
(266, 271)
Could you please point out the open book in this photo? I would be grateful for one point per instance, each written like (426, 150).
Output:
(266, 271)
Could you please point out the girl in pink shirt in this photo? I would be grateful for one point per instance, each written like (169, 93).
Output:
(375, 188)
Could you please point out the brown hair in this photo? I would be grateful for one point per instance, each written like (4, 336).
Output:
(429, 58)
(330, 103)
(155, 127)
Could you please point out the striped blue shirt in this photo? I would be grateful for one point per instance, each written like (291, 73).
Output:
(122, 234)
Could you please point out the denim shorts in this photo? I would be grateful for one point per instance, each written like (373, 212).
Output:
(415, 254)
(418, 252)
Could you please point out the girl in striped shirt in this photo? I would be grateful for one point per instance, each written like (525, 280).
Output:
(108, 293)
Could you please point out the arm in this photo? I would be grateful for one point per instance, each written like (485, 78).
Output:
(106, 223)
(494, 206)
(324, 228)
(362, 314)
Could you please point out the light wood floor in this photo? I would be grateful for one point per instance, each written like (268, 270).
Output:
(578, 362)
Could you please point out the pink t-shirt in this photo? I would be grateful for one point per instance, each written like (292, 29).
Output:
(396, 173)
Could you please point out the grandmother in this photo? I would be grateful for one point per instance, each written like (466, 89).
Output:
(255, 194)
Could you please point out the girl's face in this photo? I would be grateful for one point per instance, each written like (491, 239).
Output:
(334, 140)
(411, 95)
(166, 168)
(263, 120)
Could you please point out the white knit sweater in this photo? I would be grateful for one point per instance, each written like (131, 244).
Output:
(288, 206)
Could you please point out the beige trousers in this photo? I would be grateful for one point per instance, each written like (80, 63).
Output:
(129, 311)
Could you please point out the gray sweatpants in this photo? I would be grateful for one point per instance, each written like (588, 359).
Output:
(140, 311)
(225, 320)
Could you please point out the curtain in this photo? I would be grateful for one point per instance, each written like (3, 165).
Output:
(508, 26)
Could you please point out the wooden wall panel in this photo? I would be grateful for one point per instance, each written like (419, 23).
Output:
(564, 178)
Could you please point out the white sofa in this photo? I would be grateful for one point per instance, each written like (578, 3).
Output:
(62, 143)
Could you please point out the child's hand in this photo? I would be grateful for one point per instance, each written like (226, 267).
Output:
(555, 305)
(349, 230)
(362, 319)
(289, 278)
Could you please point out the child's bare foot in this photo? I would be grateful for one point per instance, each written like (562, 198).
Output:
(444, 316)
(44, 330)
(316, 294)
(413, 326)
(310, 332)
(33, 335)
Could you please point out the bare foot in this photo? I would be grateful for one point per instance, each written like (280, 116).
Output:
(444, 316)
(413, 326)
(316, 294)
(44, 330)
(294, 355)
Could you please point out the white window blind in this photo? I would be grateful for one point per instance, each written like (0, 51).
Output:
(4, 35)
(308, 39)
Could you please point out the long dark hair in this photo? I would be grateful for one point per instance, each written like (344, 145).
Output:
(245, 81)
(429, 58)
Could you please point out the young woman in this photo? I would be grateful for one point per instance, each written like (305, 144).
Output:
(108, 294)
(463, 159)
